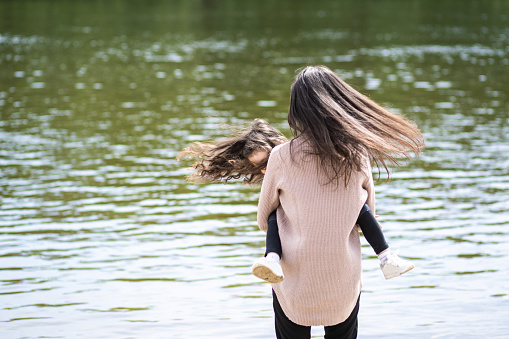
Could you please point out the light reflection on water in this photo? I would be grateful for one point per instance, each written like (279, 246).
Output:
(101, 236)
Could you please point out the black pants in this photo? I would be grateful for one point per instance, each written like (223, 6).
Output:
(366, 220)
(286, 329)
(371, 230)
(272, 240)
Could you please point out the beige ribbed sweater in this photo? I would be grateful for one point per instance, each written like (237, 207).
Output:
(321, 247)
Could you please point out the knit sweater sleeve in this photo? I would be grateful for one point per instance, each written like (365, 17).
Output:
(269, 194)
(369, 186)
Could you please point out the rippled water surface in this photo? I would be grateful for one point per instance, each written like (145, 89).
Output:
(102, 237)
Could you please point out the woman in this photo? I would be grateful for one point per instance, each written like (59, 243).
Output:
(318, 183)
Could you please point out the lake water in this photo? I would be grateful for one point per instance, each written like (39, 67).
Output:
(101, 236)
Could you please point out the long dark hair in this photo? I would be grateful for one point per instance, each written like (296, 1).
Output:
(227, 159)
(342, 125)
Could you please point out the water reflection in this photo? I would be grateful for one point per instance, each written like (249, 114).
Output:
(98, 225)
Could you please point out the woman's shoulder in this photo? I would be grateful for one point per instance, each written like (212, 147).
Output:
(289, 154)
(365, 161)
(281, 148)
(296, 143)
(276, 156)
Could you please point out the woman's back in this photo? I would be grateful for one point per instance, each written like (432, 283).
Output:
(321, 247)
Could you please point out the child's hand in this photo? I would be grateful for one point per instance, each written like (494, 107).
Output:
(376, 216)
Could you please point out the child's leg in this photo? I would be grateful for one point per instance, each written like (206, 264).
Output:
(268, 267)
(272, 240)
(391, 265)
(372, 230)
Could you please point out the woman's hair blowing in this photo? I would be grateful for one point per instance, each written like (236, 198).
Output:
(342, 124)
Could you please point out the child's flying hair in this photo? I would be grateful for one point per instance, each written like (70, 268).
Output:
(227, 159)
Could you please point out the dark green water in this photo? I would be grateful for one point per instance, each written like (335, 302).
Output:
(101, 236)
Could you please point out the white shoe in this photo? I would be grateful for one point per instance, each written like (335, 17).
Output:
(395, 266)
(268, 270)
